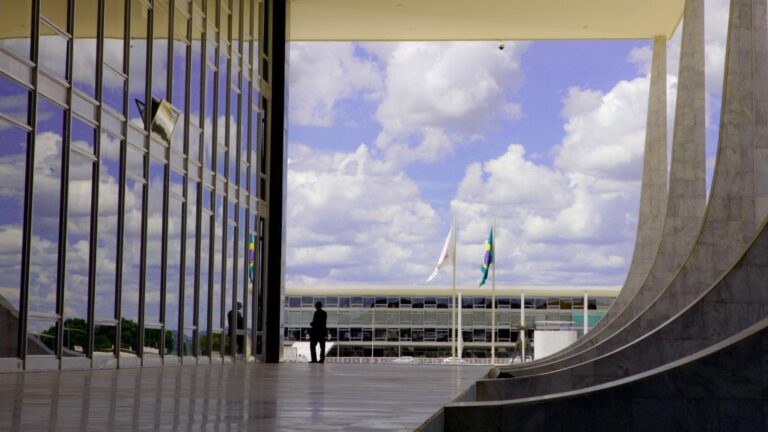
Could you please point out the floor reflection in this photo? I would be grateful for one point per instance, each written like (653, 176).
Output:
(230, 397)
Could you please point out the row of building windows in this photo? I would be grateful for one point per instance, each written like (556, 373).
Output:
(469, 318)
(425, 334)
(444, 302)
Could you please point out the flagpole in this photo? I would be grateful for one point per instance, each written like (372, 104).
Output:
(493, 294)
(453, 290)
(460, 347)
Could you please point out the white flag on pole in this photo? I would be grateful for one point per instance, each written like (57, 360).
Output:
(446, 256)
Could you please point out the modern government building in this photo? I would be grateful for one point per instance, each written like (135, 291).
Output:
(142, 223)
(418, 322)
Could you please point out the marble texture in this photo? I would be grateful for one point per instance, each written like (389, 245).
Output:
(735, 303)
(730, 220)
(686, 201)
(264, 397)
(722, 388)
(653, 195)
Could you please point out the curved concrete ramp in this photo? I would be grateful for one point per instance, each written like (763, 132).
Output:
(719, 389)
(737, 188)
(686, 201)
(736, 302)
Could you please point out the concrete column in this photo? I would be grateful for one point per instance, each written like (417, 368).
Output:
(735, 209)
(687, 182)
(653, 192)
(653, 195)
(686, 198)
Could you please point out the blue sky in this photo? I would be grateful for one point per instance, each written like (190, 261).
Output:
(388, 141)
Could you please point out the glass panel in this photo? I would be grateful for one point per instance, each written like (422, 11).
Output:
(160, 50)
(84, 51)
(194, 146)
(104, 341)
(78, 255)
(106, 243)
(221, 96)
(255, 122)
(22, 11)
(135, 162)
(152, 338)
(42, 337)
(242, 264)
(138, 65)
(134, 193)
(196, 63)
(154, 256)
(45, 212)
(205, 243)
(14, 100)
(114, 90)
(187, 347)
(221, 157)
(190, 249)
(13, 149)
(217, 227)
(217, 345)
(83, 136)
(54, 49)
(180, 76)
(173, 275)
(56, 11)
(233, 138)
(255, 32)
(210, 85)
(224, 20)
(230, 289)
(176, 185)
(210, 14)
(180, 23)
(553, 303)
(236, 17)
(114, 24)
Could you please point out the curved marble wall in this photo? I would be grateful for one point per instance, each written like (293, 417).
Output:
(733, 209)
(695, 358)
(686, 201)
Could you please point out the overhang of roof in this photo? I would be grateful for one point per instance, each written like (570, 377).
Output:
(444, 20)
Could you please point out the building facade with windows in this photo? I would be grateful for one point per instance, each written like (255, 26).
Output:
(124, 244)
(391, 321)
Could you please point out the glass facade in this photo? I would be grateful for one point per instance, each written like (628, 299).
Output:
(420, 326)
(119, 245)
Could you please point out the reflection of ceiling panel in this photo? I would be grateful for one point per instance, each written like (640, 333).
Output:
(360, 20)
(14, 22)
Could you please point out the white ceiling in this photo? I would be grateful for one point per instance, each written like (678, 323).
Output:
(414, 20)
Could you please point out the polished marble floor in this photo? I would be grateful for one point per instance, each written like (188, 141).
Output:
(258, 397)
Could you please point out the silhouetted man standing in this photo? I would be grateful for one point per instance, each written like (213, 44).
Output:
(236, 318)
(317, 333)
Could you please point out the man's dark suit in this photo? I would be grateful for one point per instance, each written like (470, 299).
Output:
(317, 334)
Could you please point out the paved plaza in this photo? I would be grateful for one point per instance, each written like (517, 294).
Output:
(263, 397)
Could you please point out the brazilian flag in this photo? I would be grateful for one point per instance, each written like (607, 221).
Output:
(487, 257)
